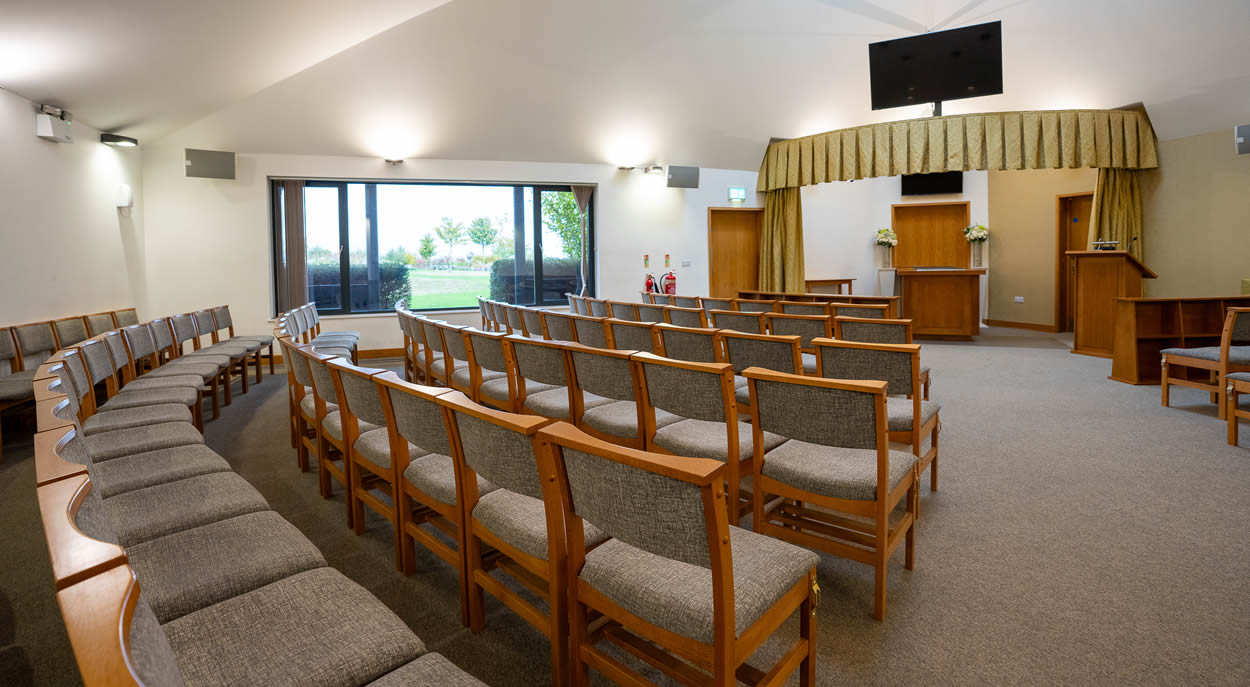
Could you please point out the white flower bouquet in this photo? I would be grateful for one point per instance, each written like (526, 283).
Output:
(886, 237)
(977, 233)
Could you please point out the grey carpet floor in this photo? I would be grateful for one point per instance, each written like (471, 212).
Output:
(1083, 534)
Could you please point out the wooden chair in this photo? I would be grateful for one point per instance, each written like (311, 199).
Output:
(126, 317)
(1232, 355)
(590, 331)
(409, 344)
(662, 299)
(223, 320)
(686, 301)
(303, 402)
(1238, 383)
(70, 331)
(803, 308)
(687, 343)
(753, 305)
(807, 327)
(572, 299)
(36, 342)
(629, 336)
(878, 330)
(100, 322)
(862, 310)
(533, 319)
(602, 490)
(835, 472)
(101, 369)
(540, 376)
(622, 310)
(582, 306)
(214, 370)
(15, 386)
(366, 446)
(523, 527)
(498, 318)
(910, 419)
(456, 357)
(604, 386)
(516, 323)
(750, 322)
(184, 329)
(709, 304)
(332, 463)
(559, 326)
(598, 308)
(490, 377)
(435, 356)
(206, 323)
(649, 313)
(692, 318)
(482, 307)
(743, 350)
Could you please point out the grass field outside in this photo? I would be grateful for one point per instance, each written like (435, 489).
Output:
(447, 288)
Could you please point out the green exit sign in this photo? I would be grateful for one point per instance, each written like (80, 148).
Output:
(737, 194)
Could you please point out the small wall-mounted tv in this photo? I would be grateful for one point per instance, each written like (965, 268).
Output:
(933, 184)
(932, 67)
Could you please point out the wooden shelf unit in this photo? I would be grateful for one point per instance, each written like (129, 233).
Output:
(1146, 326)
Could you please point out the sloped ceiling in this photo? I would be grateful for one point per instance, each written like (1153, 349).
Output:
(703, 82)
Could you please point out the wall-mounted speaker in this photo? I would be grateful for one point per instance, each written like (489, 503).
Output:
(683, 177)
(210, 164)
(1241, 136)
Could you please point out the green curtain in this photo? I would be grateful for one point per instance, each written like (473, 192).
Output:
(781, 242)
(1117, 214)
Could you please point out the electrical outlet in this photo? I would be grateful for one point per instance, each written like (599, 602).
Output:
(685, 263)
(1019, 299)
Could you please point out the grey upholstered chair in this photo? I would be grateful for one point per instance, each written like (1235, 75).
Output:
(629, 336)
(70, 331)
(803, 308)
(753, 305)
(807, 327)
(687, 343)
(329, 428)
(223, 320)
(174, 398)
(15, 383)
(516, 323)
(36, 343)
(750, 322)
(520, 520)
(661, 299)
(693, 318)
(184, 330)
(572, 301)
(1231, 355)
(710, 304)
(126, 317)
(622, 310)
(303, 402)
(835, 466)
(206, 323)
(214, 370)
(559, 326)
(532, 318)
(911, 420)
(864, 310)
(675, 572)
(590, 331)
(456, 357)
(605, 404)
(100, 322)
(686, 301)
(436, 363)
(742, 350)
(703, 395)
(366, 445)
(598, 307)
(542, 382)
(879, 330)
(650, 313)
(489, 377)
(483, 309)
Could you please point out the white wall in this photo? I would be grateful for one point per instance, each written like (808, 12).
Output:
(209, 240)
(67, 250)
(840, 218)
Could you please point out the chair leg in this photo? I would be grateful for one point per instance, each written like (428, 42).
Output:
(557, 597)
(356, 507)
(258, 368)
(1163, 383)
(580, 673)
(807, 633)
(213, 388)
(323, 459)
(301, 449)
(197, 413)
(1217, 397)
(1233, 402)
(476, 602)
(243, 372)
(225, 383)
(933, 467)
(271, 359)
(881, 562)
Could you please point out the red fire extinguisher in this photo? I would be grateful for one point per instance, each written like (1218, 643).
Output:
(650, 285)
(669, 283)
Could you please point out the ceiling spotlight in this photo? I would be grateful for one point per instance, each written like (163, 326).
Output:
(118, 141)
(653, 169)
(392, 163)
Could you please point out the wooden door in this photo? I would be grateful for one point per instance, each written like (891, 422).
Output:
(733, 250)
(1073, 234)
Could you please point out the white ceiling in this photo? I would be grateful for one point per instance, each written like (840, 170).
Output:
(702, 82)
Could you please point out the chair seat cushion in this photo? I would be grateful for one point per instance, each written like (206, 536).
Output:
(18, 386)
(553, 403)
(265, 339)
(521, 521)
(129, 418)
(438, 365)
(462, 375)
(743, 395)
(247, 344)
(315, 629)
(218, 351)
(148, 397)
(430, 669)
(308, 404)
(375, 446)
(809, 363)
(192, 569)
(900, 412)
(174, 380)
(678, 596)
(704, 439)
(145, 514)
(435, 475)
(199, 361)
(336, 351)
(498, 388)
(620, 418)
(1236, 354)
(1239, 376)
(110, 445)
(842, 473)
(141, 470)
(333, 425)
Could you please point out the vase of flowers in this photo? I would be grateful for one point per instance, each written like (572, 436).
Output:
(977, 235)
(886, 240)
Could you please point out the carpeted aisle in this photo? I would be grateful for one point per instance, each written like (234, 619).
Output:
(1083, 534)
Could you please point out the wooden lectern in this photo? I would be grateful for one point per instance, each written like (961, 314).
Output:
(1099, 277)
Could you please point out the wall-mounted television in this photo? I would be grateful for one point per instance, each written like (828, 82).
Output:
(933, 184)
(932, 67)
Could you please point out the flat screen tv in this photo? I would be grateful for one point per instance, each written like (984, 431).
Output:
(932, 67)
(933, 184)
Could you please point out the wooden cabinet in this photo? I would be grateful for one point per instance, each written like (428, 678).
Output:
(1146, 326)
(943, 303)
(1101, 276)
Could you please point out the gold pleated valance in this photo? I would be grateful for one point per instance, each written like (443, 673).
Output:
(1049, 139)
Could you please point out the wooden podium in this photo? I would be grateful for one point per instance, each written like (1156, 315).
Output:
(1100, 277)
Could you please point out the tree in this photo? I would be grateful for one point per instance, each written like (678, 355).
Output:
(505, 247)
(427, 247)
(560, 215)
(482, 232)
(399, 254)
(320, 255)
(450, 232)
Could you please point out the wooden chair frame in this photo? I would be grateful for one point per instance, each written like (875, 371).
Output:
(687, 301)
(601, 321)
(248, 358)
(805, 306)
(303, 426)
(820, 522)
(180, 349)
(220, 381)
(925, 379)
(685, 660)
(795, 342)
(515, 388)
(763, 324)
(448, 330)
(670, 309)
(328, 446)
(112, 317)
(1217, 369)
(708, 304)
(824, 320)
(834, 309)
(1234, 389)
(611, 332)
(230, 330)
(623, 306)
(476, 377)
(657, 339)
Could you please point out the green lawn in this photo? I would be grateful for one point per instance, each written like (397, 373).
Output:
(447, 289)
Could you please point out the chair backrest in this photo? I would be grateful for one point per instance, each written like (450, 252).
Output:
(496, 445)
(629, 336)
(623, 311)
(483, 309)
(221, 316)
(433, 335)
(559, 326)
(323, 381)
(413, 414)
(485, 350)
(590, 331)
(583, 306)
(100, 322)
(687, 343)
(572, 301)
(685, 317)
(538, 361)
(896, 364)
(8, 352)
(744, 350)
(453, 340)
(116, 344)
(533, 319)
(1236, 329)
(358, 395)
(857, 310)
(602, 372)
(597, 307)
(139, 342)
(709, 304)
(699, 391)
(806, 327)
(847, 414)
(36, 342)
(750, 322)
(100, 365)
(73, 376)
(205, 324)
(70, 330)
(662, 505)
(803, 308)
(184, 330)
(871, 330)
(162, 336)
(686, 301)
(649, 313)
(661, 299)
(515, 322)
(754, 305)
(126, 317)
(297, 363)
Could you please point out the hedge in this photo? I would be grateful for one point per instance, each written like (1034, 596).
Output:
(323, 285)
(560, 275)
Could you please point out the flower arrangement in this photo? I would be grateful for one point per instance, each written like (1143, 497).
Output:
(977, 233)
(886, 237)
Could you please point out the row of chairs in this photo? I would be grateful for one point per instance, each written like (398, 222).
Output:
(622, 545)
(626, 310)
(1226, 366)
(304, 324)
